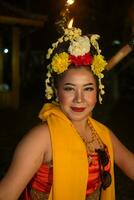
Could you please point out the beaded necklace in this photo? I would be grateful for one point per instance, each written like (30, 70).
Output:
(90, 146)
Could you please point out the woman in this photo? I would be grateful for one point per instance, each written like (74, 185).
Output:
(70, 155)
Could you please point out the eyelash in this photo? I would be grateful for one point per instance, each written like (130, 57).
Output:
(85, 89)
(89, 89)
(68, 88)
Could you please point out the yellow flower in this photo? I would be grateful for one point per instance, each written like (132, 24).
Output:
(98, 65)
(60, 62)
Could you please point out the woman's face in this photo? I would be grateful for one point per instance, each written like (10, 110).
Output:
(77, 93)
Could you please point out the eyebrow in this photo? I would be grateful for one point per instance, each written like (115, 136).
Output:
(87, 84)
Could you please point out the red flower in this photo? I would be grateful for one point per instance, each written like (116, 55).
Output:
(81, 60)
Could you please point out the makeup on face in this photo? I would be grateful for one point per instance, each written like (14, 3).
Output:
(77, 93)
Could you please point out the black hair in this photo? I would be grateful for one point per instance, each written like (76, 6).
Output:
(56, 78)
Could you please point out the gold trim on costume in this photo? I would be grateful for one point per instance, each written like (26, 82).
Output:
(94, 196)
(37, 195)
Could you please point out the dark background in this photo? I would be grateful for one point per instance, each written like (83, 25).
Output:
(114, 21)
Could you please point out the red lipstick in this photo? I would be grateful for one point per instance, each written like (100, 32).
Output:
(78, 109)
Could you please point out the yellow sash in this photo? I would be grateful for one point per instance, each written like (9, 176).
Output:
(70, 165)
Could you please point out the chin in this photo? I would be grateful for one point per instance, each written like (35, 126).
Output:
(78, 116)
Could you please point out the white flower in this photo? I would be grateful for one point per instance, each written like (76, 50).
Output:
(80, 46)
(95, 37)
(94, 42)
(60, 40)
(49, 92)
(49, 53)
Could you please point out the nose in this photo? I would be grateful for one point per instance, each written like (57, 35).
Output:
(78, 96)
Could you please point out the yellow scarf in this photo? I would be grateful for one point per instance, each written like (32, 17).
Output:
(70, 165)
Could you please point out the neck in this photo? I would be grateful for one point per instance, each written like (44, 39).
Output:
(81, 126)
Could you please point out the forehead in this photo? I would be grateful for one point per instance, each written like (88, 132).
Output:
(78, 75)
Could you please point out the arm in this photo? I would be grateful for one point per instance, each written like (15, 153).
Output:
(28, 157)
(123, 157)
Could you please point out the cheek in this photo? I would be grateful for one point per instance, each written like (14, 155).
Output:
(92, 98)
(95, 100)
(64, 98)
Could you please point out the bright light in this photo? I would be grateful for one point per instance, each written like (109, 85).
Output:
(70, 2)
(70, 24)
(5, 50)
(116, 42)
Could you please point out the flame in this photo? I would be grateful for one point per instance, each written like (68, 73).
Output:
(70, 2)
(70, 23)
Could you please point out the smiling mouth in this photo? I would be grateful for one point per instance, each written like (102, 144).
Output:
(76, 109)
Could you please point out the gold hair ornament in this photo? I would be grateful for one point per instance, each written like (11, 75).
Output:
(82, 51)
(79, 54)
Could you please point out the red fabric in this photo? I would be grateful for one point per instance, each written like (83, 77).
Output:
(42, 181)
(93, 175)
(26, 195)
(94, 181)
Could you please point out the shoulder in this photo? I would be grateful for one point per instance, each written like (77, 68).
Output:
(100, 125)
(27, 158)
(37, 139)
(38, 132)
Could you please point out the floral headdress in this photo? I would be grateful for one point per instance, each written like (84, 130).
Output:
(82, 51)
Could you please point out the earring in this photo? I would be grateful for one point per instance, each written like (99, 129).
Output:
(57, 99)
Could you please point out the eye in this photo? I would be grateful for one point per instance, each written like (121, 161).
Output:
(89, 88)
(68, 88)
